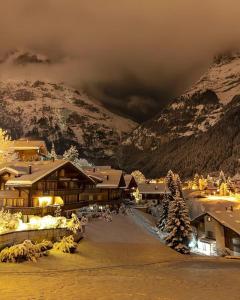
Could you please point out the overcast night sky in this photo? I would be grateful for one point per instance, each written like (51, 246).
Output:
(132, 55)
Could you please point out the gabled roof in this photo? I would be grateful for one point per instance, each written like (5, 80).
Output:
(152, 188)
(107, 178)
(230, 219)
(39, 170)
(28, 144)
(130, 181)
(11, 170)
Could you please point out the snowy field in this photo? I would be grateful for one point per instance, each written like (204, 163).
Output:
(121, 260)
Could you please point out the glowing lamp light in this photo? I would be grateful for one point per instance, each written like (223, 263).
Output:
(45, 201)
(58, 200)
(226, 198)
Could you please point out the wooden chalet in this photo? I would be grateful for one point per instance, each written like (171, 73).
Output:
(211, 189)
(131, 186)
(217, 230)
(152, 191)
(37, 187)
(109, 182)
(29, 150)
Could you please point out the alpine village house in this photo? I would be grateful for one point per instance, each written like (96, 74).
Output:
(34, 185)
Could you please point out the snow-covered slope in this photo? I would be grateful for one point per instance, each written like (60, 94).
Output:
(223, 77)
(187, 121)
(58, 113)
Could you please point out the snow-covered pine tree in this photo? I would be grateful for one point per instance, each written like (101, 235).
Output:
(178, 184)
(171, 183)
(82, 162)
(223, 190)
(6, 153)
(209, 180)
(178, 226)
(71, 154)
(196, 180)
(230, 186)
(222, 178)
(138, 176)
(202, 183)
(164, 215)
(53, 153)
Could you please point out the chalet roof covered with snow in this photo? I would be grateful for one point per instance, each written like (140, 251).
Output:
(107, 178)
(152, 188)
(130, 181)
(39, 170)
(227, 218)
(28, 145)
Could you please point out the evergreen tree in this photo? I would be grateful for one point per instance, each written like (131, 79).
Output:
(222, 178)
(164, 215)
(178, 226)
(202, 183)
(171, 183)
(223, 191)
(71, 154)
(230, 186)
(7, 154)
(53, 153)
(82, 162)
(138, 176)
(196, 180)
(209, 180)
(179, 185)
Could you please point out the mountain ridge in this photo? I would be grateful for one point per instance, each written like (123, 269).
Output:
(189, 124)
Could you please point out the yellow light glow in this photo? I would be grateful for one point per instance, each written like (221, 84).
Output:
(58, 200)
(226, 198)
(45, 201)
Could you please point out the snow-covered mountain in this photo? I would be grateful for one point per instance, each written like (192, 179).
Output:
(174, 138)
(60, 114)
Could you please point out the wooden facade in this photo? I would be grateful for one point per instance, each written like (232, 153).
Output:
(29, 150)
(31, 189)
(210, 228)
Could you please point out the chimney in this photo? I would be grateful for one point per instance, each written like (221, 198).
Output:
(29, 169)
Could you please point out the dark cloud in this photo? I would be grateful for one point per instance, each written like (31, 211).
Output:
(96, 44)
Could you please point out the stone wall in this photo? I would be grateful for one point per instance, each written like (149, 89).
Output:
(16, 237)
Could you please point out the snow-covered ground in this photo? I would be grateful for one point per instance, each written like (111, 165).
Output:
(121, 260)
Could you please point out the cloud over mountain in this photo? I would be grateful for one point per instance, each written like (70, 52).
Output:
(134, 55)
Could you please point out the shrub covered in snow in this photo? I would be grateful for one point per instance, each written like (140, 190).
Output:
(8, 221)
(47, 222)
(74, 224)
(27, 251)
(66, 245)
